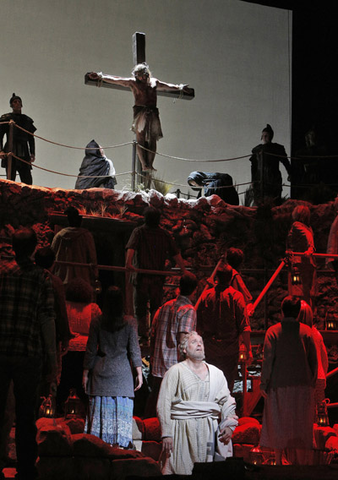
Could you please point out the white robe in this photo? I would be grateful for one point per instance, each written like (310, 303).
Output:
(191, 411)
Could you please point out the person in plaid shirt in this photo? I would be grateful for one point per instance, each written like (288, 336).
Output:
(171, 323)
(27, 336)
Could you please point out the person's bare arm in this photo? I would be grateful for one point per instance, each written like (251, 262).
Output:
(115, 80)
(247, 343)
(180, 262)
(183, 87)
(139, 379)
(129, 259)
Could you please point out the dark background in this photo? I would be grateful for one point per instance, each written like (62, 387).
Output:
(314, 69)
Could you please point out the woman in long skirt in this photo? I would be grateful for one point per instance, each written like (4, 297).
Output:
(107, 376)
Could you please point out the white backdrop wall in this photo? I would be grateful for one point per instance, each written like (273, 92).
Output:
(234, 54)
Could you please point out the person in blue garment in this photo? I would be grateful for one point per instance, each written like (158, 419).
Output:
(107, 374)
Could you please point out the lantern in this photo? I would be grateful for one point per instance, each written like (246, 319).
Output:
(73, 405)
(242, 354)
(271, 460)
(47, 407)
(321, 414)
(97, 287)
(331, 322)
(295, 277)
(256, 456)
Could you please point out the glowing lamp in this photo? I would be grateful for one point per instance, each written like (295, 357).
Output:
(256, 456)
(331, 322)
(271, 460)
(98, 287)
(242, 354)
(47, 407)
(295, 278)
(73, 405)
(321, 414)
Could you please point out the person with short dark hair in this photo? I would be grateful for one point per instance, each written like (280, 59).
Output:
(172, 321)
(27, 337)
(23, 145)
(150, 246)
(288, 379)
(222, 320)
(75, 244)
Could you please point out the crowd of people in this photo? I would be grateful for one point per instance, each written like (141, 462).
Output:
(54, 335)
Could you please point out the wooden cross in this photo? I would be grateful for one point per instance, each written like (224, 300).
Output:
(139, 56)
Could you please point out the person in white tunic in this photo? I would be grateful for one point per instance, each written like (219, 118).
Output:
(195, 410)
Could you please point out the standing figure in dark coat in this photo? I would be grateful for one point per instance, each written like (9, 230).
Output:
(96, 169)
(214, 183)
(266, 177)
(23, 143)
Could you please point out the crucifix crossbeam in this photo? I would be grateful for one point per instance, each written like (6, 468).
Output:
(139, 56)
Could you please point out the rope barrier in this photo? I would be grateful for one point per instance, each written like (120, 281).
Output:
(121, 269)
(70, 146)
(195, 160)
(159, 154)
(67, 174)
(130, 172)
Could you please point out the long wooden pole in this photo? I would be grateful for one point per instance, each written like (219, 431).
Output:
(333, 372)
(210, 280)
(267, 286)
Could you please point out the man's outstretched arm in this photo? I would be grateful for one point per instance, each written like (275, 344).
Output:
(115, 80)
(183, 87)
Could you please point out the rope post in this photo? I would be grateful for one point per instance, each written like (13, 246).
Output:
(133, 168)
(261, 157)
(10, 149)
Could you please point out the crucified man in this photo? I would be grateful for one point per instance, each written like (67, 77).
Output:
(146, 124)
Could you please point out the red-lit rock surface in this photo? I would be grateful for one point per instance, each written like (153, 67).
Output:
(64, 454)
(68, 455)
(202, 228)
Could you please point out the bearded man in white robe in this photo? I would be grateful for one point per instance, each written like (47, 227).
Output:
(196, 411)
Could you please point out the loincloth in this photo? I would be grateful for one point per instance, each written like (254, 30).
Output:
(147, 121)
